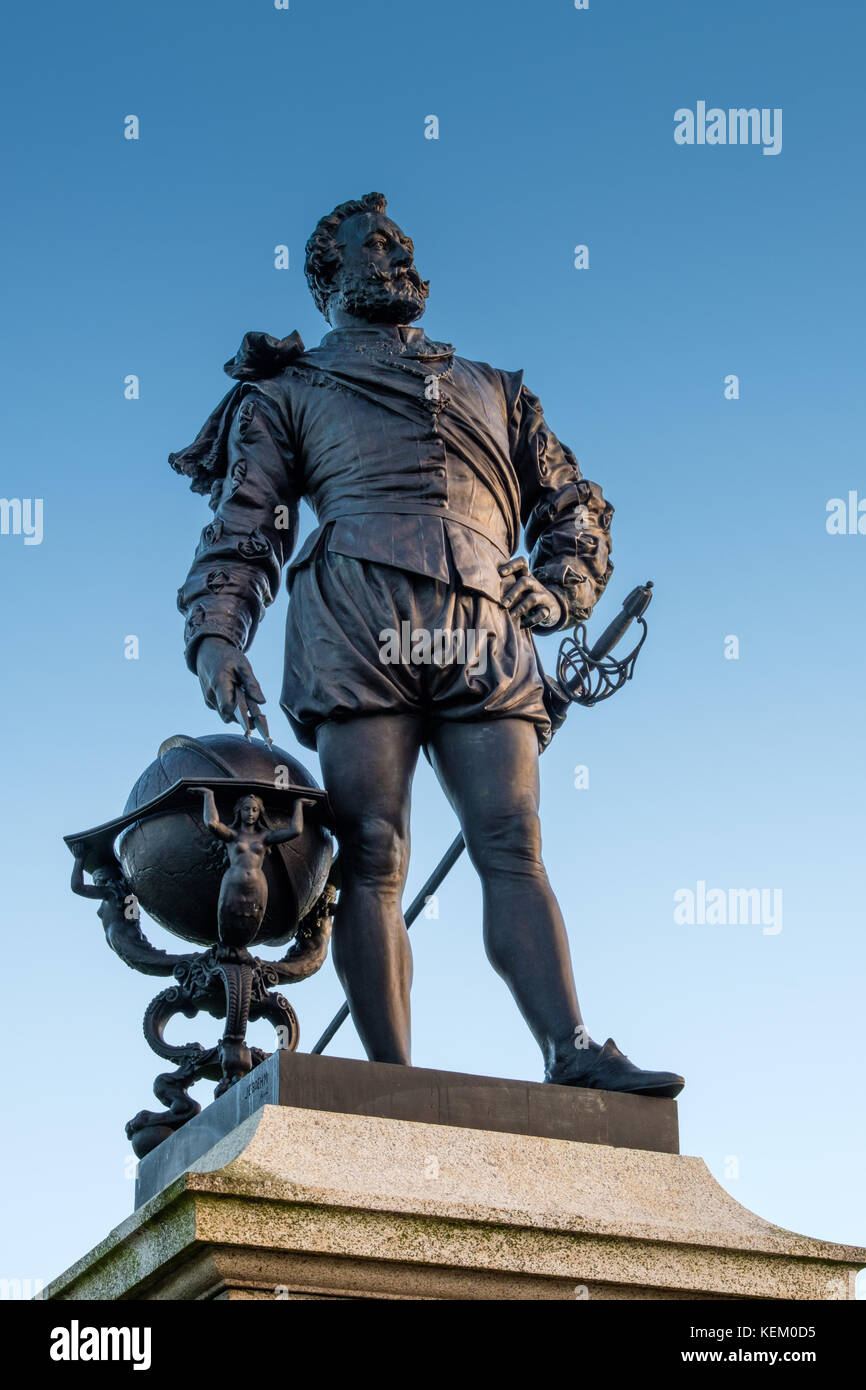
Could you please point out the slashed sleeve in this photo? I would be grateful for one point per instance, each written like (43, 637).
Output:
(565, 517)
(235, 573)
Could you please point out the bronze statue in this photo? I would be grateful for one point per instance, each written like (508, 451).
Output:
(422, 468)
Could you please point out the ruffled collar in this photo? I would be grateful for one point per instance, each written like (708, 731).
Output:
(405, 338)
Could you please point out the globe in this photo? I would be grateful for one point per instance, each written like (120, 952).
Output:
(173, 863)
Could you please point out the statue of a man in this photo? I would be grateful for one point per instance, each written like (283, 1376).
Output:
(421, 467)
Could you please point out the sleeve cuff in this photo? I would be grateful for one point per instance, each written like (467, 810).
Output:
(576, 600)
(232, 628)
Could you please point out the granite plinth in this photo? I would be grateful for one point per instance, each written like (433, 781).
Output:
(344, 1086)
(302, 1204)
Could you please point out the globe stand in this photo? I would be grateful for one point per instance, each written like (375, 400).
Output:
(225, 982)
(238, 990)
(188, 876)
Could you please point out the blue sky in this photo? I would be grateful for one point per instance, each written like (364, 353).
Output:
(154, 256)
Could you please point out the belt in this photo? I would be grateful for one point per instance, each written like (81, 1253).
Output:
(342, 511)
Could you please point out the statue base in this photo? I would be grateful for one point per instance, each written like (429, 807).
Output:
(344, 1086)
(355, 1180)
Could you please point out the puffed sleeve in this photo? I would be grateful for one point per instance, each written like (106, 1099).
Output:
(237, 566)
(566, 519)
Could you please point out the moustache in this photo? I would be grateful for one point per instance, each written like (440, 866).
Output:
(402, 275)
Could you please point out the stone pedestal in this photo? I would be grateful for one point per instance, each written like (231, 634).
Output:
(296, 1202)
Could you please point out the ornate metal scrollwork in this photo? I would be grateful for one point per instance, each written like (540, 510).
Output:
(225, 981)
(587, 675)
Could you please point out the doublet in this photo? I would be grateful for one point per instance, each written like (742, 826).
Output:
(410, 457)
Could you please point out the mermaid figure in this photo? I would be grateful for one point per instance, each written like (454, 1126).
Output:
(243, 897)
(119, 914)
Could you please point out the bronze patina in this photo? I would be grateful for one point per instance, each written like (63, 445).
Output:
(424, 469)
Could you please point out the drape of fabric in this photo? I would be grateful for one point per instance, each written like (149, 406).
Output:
(259, 356)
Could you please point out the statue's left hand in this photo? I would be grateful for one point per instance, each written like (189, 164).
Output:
(526, 598)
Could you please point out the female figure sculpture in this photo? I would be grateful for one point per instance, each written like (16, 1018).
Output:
(243, 895)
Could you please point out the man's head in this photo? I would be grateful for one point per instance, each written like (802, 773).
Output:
(359, 261)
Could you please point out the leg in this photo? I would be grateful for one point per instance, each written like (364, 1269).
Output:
(489, 772)
(368, 763)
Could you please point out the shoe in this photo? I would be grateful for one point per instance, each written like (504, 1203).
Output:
(608, 1069)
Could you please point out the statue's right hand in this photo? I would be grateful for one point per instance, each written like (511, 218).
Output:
(223, 671)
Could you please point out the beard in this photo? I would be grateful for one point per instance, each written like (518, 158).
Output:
(382, 297)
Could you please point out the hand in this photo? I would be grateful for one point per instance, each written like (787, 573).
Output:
(223, 671)
(526, 598)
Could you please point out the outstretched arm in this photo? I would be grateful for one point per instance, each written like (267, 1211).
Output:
(295, 826)
(85, 890)
(211, 815)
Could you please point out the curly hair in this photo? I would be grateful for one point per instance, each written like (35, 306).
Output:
(323, 258)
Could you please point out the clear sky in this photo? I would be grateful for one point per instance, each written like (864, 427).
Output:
(556, 129)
